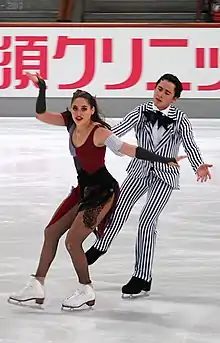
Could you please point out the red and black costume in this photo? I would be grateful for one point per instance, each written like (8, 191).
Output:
(95, 184)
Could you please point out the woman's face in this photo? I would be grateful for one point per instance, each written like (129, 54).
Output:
(81, 111)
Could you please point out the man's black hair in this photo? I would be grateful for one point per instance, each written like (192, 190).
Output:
(174, 79)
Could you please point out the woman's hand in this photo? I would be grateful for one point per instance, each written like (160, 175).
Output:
(178, 159)
(33, 77)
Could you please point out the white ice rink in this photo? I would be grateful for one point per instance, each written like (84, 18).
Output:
(36, 173)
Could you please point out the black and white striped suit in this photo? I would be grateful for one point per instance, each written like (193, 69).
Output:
(156, 179)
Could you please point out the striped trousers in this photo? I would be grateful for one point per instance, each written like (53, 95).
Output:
(132, 189)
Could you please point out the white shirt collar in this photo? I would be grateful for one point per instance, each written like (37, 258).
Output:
(165, 111)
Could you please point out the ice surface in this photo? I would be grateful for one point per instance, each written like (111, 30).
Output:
(36, 173)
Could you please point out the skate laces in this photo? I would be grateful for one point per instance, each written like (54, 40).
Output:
(26, 288)
(77, 292)
(29, 285)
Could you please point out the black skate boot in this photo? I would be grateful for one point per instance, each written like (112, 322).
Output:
(147, 286)
(93, 255)
(135, 286)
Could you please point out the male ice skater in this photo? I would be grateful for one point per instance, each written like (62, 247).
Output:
(159, 127)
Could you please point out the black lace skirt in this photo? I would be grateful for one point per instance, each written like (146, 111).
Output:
(95, 193)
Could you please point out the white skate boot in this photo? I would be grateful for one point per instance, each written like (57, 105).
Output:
(85, 295)
(34, 290)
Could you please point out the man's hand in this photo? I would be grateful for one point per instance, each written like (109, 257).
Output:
(203, 172)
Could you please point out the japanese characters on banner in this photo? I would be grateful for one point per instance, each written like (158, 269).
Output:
(109, 62)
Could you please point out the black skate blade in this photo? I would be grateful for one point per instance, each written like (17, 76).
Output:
(142, 294)
(83, 307)
(25, 304)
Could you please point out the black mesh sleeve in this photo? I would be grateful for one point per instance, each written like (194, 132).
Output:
(146, 155)
(41, 100)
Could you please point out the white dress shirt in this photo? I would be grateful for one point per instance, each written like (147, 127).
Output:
(158, 132)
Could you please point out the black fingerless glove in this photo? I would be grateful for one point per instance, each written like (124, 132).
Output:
(143, 154)
(41, 100)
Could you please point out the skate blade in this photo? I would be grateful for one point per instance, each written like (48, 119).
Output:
(84, 306)
(26, 304)
(143, 294)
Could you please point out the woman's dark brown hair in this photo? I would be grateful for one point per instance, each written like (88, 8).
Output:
(93, 103)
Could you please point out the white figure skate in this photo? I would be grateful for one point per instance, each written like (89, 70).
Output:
(85, 295)
(34, 290)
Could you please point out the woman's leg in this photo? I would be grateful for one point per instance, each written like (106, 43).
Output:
(59, 224)
(83, 225)
(52, 235)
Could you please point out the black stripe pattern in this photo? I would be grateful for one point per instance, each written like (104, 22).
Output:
(178, 132)
(156, 179)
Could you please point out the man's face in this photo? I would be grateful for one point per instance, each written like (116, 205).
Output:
(164, 94)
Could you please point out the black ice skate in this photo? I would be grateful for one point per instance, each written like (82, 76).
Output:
(93, 255)
(147, 286)
(135, 287)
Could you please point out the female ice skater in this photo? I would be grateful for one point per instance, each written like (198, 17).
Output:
(89, 206)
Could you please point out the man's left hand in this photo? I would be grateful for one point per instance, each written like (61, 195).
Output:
(203, 172)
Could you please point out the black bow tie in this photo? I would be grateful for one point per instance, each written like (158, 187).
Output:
(163, 120)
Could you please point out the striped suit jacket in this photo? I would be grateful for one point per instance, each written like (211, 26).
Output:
(179, 132)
